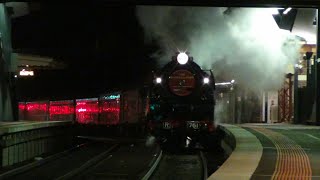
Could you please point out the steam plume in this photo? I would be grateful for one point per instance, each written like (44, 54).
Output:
(244, 44)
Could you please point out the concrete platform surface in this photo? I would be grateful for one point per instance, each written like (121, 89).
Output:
(272, 151)
(244, 159)
(17, 126)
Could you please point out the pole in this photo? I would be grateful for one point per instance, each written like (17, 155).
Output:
(316, 71)
(290, 98)
(296, 94)
(6, 102)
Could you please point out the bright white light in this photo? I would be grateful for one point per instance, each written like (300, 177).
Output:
(298, 66)
(274, 11)
(82, 110)
(182, 58)
(223, 83)
(26, 73)
(232, 81)
(15, 76)
(287, 10)
(158, 80)
(205, 80)
(188, 141)
(311, 38)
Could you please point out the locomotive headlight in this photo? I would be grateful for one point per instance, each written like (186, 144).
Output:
(206, 80)
(158, 80)
(182, 58)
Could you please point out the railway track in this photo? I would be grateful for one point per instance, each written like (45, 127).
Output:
(180, 167)
(100, 160)
(128, 161)
(91, 162)
(57, 165)
(118, 161)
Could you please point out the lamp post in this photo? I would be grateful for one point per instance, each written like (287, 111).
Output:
(317, 99)
(296, 94)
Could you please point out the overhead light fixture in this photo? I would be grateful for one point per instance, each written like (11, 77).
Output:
(223, 83)
(287, 10)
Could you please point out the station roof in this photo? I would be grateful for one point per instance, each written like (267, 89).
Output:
(38, 62)
(305, 25)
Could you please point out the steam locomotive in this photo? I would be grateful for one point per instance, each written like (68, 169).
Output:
(181, 104)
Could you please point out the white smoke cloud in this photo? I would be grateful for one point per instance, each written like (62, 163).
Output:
(242, 43)
(150, 141)
(220, 113)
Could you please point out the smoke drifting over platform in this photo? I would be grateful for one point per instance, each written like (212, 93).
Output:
(244, 44)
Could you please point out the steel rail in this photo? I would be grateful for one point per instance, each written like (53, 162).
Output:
(153, 167)
(204, 165)
(93, 161)
(35, 164)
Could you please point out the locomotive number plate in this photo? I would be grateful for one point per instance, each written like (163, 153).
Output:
(193, 125)
(166, 125)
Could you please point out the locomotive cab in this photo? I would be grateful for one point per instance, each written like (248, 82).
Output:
(181, 109)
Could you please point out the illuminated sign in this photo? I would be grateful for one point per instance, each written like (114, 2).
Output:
(112, 96)
(23, 72)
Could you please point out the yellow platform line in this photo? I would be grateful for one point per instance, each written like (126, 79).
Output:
(292, 161)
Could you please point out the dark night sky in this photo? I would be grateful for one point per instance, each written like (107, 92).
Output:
(103, 46)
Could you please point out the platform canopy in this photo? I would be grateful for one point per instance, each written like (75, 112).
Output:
(38, 62)
(305, 25)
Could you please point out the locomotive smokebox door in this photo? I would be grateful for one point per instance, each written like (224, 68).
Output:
(182, 82)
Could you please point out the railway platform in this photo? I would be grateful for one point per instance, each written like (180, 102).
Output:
(272, 151)
(22, 141)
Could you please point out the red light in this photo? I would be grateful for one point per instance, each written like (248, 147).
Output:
(22, 110)
(109, 111)
(34, 106)
(22, 106)
(36, 111)
(175, 123)
(61, 110)
(210, 126)
(87, 111)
